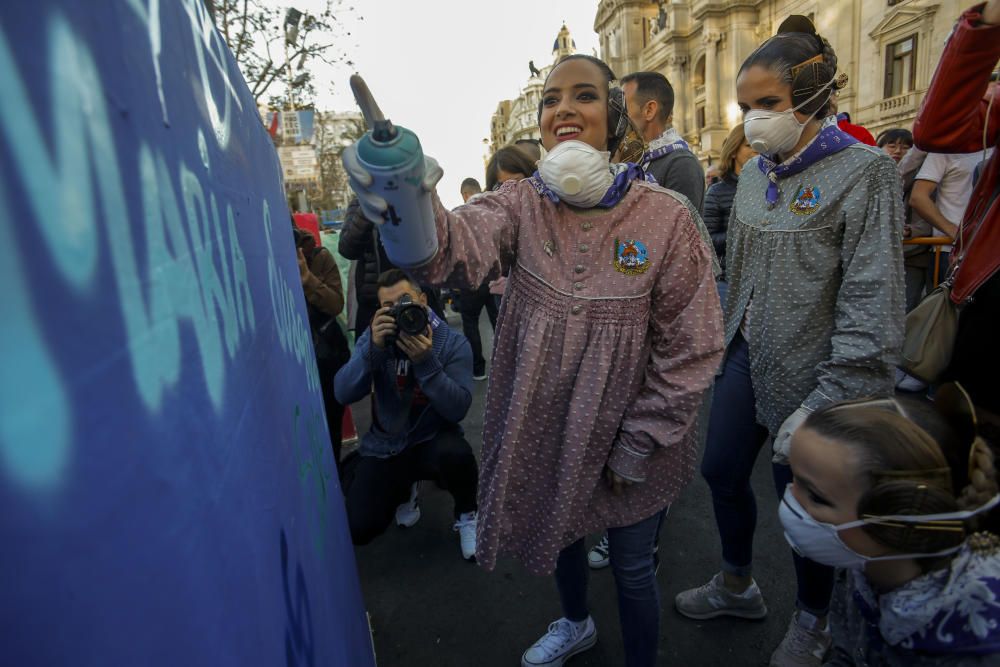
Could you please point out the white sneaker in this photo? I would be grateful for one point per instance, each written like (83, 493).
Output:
(466, 529)
(408, 513)
(805, 643)
(600, 556)
(563, 640)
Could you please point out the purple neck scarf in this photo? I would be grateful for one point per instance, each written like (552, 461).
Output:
(831, 139)
(625, 173)
(667, 149)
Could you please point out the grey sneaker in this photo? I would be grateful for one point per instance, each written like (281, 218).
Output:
(713, 599)
(801, 646)
(563, 640)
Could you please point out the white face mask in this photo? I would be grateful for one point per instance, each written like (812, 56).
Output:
(577, 172)
(776, 132)
(821, 542)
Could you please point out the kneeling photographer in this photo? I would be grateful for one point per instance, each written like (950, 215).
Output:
(422, 374)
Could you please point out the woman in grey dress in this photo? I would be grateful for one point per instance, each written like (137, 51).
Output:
(814, 312)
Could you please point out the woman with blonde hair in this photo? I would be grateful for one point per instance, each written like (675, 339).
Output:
(719, 196)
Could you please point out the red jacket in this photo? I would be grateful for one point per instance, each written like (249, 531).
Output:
(856, 131)
(951, 120)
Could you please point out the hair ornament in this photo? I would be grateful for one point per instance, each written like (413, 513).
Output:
(817, 59)
(936, 476)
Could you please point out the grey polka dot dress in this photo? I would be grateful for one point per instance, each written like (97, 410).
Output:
(822, 273)
(609, 334)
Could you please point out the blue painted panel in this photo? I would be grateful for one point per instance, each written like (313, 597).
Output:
(167, 485)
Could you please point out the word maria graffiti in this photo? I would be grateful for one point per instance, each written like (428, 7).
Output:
(189, 268)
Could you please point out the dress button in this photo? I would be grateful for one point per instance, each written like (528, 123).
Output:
(584, 247)
(587, 226)
(579, 268)
(577, 286)
(577, 309)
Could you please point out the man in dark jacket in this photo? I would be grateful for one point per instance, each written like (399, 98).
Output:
(359, 240)
(649, 100)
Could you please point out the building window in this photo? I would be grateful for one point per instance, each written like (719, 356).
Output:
(699, 117)
(699, 72)
(901, 67)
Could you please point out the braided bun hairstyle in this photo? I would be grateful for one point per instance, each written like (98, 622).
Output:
(973, 458)
(915, 463)
(804, 60)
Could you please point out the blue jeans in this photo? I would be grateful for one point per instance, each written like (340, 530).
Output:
(631, 549)
(734, 441)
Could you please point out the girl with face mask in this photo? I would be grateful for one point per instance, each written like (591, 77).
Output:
(877, 494)
(608, 337)
(814, 311)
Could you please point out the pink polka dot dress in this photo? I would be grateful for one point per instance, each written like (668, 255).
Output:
(608, 337)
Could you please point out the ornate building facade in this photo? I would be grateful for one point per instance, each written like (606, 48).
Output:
(518, 118)
(888, 48)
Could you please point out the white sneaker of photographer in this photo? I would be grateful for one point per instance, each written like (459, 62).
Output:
(466, 529)
(408, 513)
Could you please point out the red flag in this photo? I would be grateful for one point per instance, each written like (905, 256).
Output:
(273, 129)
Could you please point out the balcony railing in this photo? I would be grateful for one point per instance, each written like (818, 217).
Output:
(936, 243)
(899, 103)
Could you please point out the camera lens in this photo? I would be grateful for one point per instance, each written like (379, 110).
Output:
(412, 319)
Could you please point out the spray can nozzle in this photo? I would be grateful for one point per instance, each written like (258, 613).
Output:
(383, 131)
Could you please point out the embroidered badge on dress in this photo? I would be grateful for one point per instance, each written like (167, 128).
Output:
(806, 200)
(630, 257)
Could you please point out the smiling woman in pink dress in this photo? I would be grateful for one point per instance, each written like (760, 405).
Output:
(608, 337)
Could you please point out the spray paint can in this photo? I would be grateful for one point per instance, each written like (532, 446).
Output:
(392, 155)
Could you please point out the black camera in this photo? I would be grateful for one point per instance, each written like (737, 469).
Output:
(410, 317)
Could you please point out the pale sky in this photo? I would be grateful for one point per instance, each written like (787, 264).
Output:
(439, 67)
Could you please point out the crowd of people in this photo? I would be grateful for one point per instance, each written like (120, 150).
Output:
(644, 322)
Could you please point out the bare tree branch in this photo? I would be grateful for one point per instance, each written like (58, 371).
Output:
(243, 32)
(250, 28)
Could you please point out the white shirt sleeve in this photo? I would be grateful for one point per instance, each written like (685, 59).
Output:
(933, 168)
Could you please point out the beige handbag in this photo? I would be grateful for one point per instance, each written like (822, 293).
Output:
(931, 328)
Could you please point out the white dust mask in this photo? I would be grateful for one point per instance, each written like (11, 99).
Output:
(776, 132)
(577, 172)
(821, 542)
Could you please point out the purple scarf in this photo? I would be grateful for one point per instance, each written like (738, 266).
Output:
(657, 153)
(625, 174)
(831, 139)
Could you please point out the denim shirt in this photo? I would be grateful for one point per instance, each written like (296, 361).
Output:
(822, 274)
(444, 378)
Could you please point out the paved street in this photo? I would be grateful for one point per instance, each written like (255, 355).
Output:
(429, 607)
